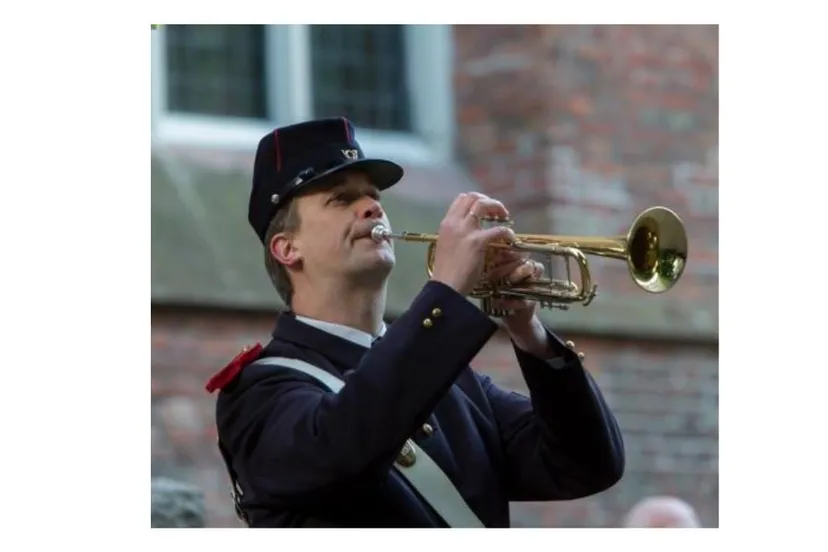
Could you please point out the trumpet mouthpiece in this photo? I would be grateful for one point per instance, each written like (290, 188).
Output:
(380, 233)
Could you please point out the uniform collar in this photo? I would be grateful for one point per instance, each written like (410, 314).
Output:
(341, 345)
(345, 332)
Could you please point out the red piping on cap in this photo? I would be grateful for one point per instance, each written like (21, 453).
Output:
(347, 134)
(278, 150)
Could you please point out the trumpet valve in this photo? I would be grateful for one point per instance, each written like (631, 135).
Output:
(497, 221)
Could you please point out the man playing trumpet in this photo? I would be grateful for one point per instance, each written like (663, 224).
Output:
(412, 437)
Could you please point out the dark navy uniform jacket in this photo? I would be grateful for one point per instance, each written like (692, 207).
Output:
(305, 457)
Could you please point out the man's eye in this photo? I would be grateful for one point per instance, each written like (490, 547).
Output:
(348, 198)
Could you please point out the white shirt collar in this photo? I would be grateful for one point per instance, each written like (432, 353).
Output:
(351, 334)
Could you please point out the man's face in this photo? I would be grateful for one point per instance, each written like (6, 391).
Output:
(333, 239)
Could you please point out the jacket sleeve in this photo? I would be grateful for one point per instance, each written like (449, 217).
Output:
(295, 439)
(561, 442)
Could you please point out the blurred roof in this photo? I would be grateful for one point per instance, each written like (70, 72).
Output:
(204, 252)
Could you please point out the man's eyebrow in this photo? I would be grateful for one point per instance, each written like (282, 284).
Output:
(352, 194)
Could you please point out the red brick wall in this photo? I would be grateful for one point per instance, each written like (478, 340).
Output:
(664, 394)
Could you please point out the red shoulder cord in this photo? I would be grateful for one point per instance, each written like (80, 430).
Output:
(226, 374)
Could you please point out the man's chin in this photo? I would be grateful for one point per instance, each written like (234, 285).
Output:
(375, 266)
(383, 261)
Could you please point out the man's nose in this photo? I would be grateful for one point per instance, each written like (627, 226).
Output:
(370, 210)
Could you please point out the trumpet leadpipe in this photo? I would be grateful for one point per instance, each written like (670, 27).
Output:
(380, 233)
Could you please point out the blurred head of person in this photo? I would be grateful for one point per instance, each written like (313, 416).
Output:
(663, 512)
(176, 504)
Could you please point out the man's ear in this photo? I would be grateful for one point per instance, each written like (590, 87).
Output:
(283, 248)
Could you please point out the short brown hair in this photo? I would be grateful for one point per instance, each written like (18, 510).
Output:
(285, 220)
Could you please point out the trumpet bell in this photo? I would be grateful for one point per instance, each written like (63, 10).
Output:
(656, 249)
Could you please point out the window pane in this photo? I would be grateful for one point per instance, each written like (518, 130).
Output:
(216, 70)
(359, 71)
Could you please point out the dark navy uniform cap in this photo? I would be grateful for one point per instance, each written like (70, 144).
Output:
(295, 158)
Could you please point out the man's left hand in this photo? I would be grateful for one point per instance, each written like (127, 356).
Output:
(515, 268)
(521, 321)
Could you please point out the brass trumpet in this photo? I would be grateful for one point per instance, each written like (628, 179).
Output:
(654, 248)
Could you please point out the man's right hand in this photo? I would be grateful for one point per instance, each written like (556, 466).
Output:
(462, 243)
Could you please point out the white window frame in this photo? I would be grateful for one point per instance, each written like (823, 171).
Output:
(430, 51)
